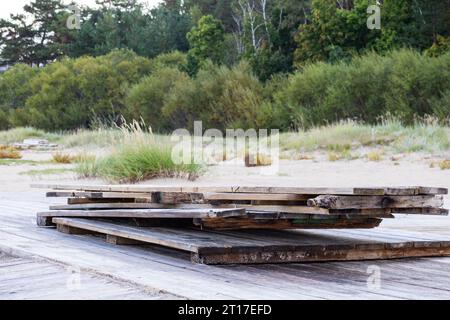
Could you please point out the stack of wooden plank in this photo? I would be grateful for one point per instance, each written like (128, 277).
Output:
(235, 208)
(219, 225)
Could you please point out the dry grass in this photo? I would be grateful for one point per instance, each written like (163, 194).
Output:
(65, 158)
(301, 157)
(19, 134)
(7, 152)
(83, 157)
(62, 158)
(334, 156)
(295, 156)
(257, 160)
(427, 136)
(344, 154)
(374, 156)
(444, 164)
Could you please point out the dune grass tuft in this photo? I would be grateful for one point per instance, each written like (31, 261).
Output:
(62, 158)
(138, 157)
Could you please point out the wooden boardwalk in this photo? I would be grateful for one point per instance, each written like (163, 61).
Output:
(22, 278)
(158, 272)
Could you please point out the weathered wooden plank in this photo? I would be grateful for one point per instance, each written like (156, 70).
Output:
(421, 211)
(333, 214)
(150, 213)
(99, 200)
(119, 241)
(73, 230)
(258, 211)
(230, 189)
(248, 189)
(255, 248)
(367, 202)
(178, 197)
(256, 196)
(316, 256)
(44, 221)
(102, 206)
(135, 205)
(156, 236)
(98, 195)
(432, 190)
(376, 212)
(286, 209)
(282, 224)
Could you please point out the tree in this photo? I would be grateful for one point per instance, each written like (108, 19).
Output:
(264, 33)
(123, 25)
(416, 24)
(337, 29)
(206, 42)
(324, 36)
(163, 30)
(219, 9)
(37, 42)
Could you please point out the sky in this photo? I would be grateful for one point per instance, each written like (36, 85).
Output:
(15, 6)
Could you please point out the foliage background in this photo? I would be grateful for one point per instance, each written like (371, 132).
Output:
(242, 63)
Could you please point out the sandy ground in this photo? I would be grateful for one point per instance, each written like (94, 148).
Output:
(411, 170)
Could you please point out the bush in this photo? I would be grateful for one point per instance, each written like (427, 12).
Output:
(15, 86)
(4, 119)
(174, 59)
(404, 83)
(147, 98)
(221, 97)
(84, 92)
(70, 94)
(441, 107)
(414, 81)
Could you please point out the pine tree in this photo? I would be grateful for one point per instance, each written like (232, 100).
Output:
(37, 42)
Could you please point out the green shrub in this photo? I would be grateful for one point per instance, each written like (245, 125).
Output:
(221, 97)
(441, 107)
(404, 83)
(84, 92)
(4, 119)
(146, 99)
(70, 94)
(415, 80)
(15, 86)
(174, 59)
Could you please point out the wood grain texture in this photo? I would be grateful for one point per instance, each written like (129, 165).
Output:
(367, 202)
(285, 224)
(255, 247)
(247, 189)
(150, 213)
